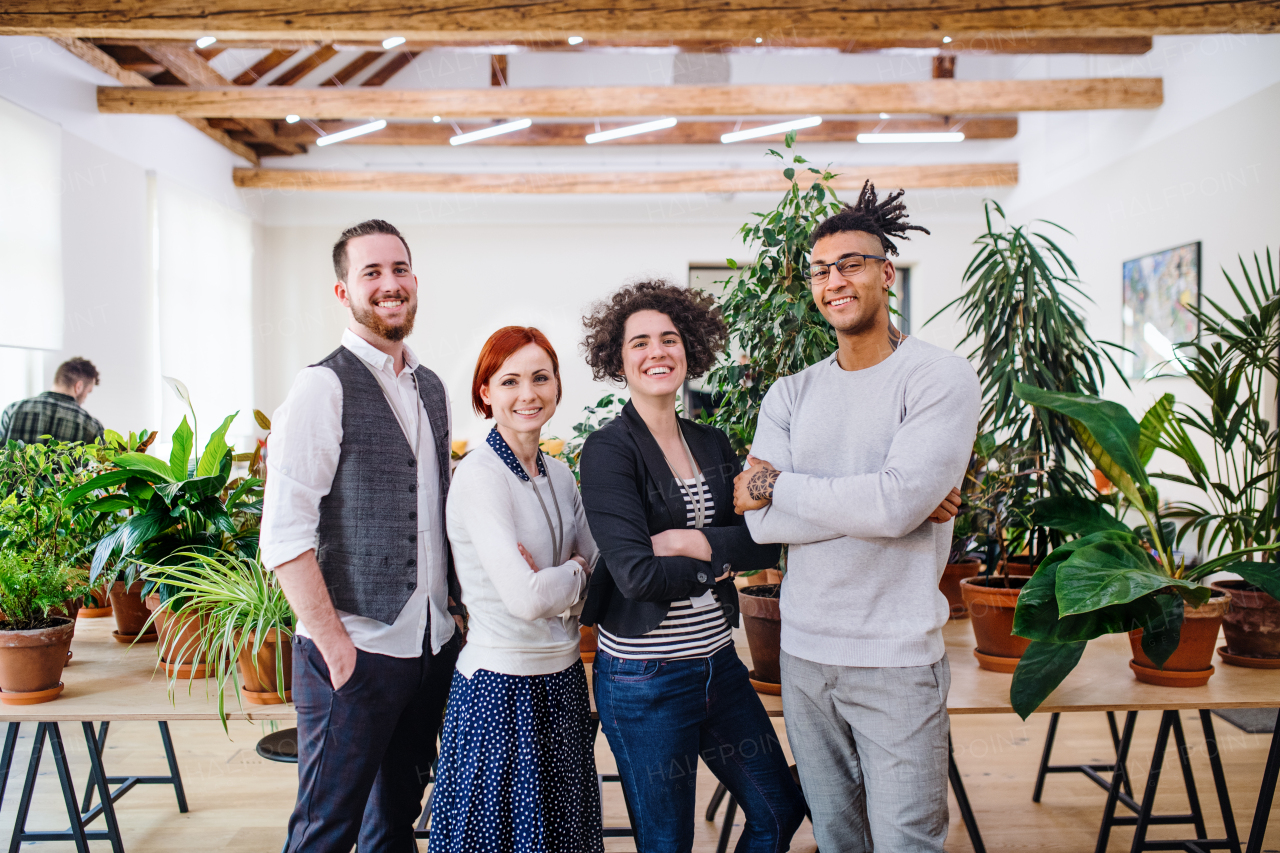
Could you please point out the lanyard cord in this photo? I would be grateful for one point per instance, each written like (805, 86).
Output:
(557, 540)
(699, 498)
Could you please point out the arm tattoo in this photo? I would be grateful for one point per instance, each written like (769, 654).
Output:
(760, 486)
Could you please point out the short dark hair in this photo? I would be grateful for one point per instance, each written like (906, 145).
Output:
(75, 370)
(364, 229)
(884, 219)
(694, 313)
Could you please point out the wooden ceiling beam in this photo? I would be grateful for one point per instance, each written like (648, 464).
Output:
(1001, 43)
(931, 97)
(98, 58)
(264, 66)
(344, 74)
(540, 19)
(983, 175)
(393, 67)
(194, 71)
(685, 133)
(305, 66)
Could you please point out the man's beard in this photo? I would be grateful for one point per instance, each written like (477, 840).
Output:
(366, 316)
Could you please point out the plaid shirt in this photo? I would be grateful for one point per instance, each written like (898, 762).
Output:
(51, 413)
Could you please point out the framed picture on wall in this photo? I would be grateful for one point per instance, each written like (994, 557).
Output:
(1160, 290)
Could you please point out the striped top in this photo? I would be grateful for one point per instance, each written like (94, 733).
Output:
(693, 627)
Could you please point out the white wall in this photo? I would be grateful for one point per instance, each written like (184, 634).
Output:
(107, 284)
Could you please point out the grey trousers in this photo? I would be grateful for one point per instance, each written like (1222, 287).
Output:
(871, 747)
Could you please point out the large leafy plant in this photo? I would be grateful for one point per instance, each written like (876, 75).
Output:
(240, 603)
(775, 329)
(1021, 311)
(186, 504)
(1234, 367)
(593, 417)
(1113, 578)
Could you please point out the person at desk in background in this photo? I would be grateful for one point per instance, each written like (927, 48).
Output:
(517, 767)
(58, 413)
(657, 488)
(353, 526)
(849, 461)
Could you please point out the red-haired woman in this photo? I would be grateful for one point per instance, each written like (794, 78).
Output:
(516, 768)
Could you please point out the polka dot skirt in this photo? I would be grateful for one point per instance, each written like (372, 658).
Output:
(517, 772)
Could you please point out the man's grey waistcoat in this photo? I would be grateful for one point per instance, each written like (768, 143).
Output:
(368, 531)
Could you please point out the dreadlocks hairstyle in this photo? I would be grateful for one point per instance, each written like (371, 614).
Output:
(884, 219)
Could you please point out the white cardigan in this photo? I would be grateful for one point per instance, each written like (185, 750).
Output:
(521, 622)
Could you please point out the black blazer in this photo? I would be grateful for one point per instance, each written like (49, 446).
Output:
(630, 494)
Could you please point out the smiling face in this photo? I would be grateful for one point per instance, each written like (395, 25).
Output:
(653, 358)
(522, 393)
(856, 306)
(381, 290)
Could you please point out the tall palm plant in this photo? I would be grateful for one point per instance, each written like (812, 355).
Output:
(1233, 364)
(1021, 310)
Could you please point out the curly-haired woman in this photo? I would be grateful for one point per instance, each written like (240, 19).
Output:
(658, 493)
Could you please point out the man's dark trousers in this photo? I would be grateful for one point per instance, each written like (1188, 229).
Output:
(365, 750)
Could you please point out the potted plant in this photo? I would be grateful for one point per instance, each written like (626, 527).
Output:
(1114, 578)
(36, 520)
(182, 505)
(34, 643)
(998, 488)
(1234, 365)
(775, 330)
(248, 623)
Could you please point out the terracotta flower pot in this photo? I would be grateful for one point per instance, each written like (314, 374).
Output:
(763, 624)
(761, 578)
(1251, 623)
(1020, 567)
(991, 602)
(258, 672)
(587, 643)
(950, 585)
(101, 607)
(1191, 663)
(31, 662)
(130, 612)
(179, 636)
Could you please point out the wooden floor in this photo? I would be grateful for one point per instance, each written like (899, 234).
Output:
(241, 803)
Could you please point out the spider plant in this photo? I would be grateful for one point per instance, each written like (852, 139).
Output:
(240, 602)
(1113, 578)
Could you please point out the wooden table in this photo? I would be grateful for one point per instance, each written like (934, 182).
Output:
(107, 681)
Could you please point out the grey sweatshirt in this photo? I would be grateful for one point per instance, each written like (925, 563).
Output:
(867, 455)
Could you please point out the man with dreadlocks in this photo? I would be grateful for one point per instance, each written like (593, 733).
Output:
(861, 448)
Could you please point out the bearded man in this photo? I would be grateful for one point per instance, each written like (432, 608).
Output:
(353, 526)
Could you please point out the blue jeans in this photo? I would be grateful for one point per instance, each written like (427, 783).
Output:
(662, 716)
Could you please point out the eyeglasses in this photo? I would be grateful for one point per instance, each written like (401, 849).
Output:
(848, 267)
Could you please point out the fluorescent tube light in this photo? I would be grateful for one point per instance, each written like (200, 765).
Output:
(353, 132)
(394, 41)
(498, 130)
(631, 130)
(292, 119)
(911, 137)
(205, 41)
(771, 129)
(575, 39)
